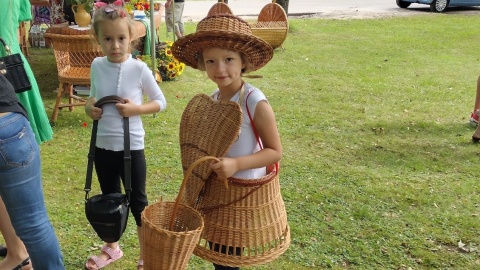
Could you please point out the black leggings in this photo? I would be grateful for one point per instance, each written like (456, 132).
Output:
(223, 249)
(110, 169)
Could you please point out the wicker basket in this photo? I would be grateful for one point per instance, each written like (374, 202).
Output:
(271, 25)
(219, 8)
(249, 217)
(171, 231)
(207, 128)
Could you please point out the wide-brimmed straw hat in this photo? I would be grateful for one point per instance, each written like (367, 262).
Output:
(224, 31)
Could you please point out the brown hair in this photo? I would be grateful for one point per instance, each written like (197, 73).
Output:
(248, 66)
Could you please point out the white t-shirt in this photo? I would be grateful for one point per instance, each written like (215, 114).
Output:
(130, 79)
(246, 144)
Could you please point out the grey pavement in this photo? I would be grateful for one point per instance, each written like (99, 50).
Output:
(196, 10)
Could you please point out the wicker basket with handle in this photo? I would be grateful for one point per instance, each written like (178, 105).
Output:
(171, 230)
(246, 216)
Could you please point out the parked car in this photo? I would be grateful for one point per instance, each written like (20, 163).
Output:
(439, 5)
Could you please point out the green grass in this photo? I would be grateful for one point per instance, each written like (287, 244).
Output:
(378, 169)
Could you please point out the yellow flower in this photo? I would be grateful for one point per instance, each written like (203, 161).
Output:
(171, 66)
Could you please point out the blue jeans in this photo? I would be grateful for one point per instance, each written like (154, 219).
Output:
(22, 193)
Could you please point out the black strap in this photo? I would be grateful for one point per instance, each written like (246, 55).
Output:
(127, 159)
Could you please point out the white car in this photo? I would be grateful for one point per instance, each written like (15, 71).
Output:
(439, 5)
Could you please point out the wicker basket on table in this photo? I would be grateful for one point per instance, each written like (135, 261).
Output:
(247, 216)
(271, 25)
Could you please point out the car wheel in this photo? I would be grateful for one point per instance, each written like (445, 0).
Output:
(403, 4)
(439, 5)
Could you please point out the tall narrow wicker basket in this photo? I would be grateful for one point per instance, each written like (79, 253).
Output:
(271, 25)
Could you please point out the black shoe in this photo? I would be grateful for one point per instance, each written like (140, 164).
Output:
(3, 251)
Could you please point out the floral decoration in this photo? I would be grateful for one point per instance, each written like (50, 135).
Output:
(168, 67)
(132, 5)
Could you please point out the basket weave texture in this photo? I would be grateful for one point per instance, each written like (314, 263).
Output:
(271, 25)
(74, 54)
(248, 215)
(207, 128)
(219, 8)
(164, 248)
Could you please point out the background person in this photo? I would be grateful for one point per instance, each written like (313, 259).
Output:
(21, 189)
(174, 17)
(12, 12)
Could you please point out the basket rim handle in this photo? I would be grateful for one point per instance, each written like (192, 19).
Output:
(184, 182)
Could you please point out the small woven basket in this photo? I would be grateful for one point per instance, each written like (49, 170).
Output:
(171, 230)
(272, 24)
(164, 248)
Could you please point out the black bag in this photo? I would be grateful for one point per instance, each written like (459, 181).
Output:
(108, 213)
(12, 67)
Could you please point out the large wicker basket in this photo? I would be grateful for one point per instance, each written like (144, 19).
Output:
(271, 25)
(248, 217)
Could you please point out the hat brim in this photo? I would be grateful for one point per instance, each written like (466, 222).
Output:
(188, 48)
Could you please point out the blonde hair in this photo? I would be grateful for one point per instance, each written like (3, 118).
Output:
(111, 12)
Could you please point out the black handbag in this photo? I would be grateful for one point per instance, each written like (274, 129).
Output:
(108, 213)
(12, 67)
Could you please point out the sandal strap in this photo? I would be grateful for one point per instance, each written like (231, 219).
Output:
(99, 262)
(114, 254)
(22, 264)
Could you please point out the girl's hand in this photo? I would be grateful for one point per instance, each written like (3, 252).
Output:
(92, 111)
(224, 168)
(128, 109)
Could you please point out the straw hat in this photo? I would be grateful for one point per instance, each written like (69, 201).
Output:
(224, 31)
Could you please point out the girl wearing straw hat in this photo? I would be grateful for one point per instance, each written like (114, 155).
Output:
(224, 46)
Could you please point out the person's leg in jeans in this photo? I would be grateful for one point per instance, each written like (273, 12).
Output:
(22, 192)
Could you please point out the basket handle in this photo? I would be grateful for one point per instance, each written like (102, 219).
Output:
(184, 182)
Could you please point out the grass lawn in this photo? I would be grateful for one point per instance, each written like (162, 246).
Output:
(378, 171)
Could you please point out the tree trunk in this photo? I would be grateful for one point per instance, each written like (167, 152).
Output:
(284, 4)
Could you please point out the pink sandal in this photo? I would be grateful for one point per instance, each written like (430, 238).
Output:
(114, 254)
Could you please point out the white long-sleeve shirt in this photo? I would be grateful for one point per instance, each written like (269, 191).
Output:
(130, 79)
